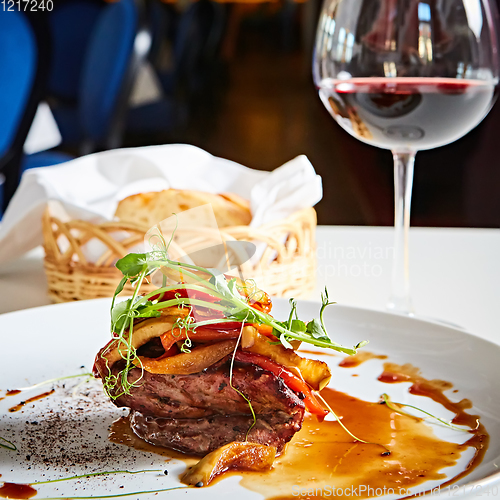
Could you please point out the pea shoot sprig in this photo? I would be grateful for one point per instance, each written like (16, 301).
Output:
(5, 443)
(234, 305)
(399, 408)
(229, 297)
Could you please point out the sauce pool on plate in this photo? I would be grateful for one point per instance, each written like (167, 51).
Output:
(360, 357)
(19, 491)
(322, 455)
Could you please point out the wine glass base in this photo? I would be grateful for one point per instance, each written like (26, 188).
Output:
(400, 305)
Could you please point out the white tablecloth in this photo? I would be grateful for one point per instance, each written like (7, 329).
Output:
(455, 274)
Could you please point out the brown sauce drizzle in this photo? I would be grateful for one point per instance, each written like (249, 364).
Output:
(19, 491)
(13, 392)
(316, 353)
(323, 454)
(434, 389)
(30, 400)
(360, 357)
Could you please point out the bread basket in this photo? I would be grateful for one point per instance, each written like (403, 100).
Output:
(287, 267)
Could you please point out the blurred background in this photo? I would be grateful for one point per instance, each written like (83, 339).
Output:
(232, 77)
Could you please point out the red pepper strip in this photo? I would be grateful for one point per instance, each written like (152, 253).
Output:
(257, 305)
(291, 380)
(202, 333)
(229, 325)
(183, 293)
(174, 350)
(200, 313)
(264, 305)
(265, 330)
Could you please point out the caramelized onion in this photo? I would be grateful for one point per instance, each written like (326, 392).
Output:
(235, 455)
(188, 363)
(316, 373)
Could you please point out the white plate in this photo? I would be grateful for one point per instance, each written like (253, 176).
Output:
(54, 341)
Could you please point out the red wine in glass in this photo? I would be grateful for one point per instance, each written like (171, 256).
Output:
(413, 113)
(406, 75)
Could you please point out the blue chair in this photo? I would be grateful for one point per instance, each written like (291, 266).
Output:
(94, 61)
(44, 159)
(23, 64)
(117, 42)
(71, 25)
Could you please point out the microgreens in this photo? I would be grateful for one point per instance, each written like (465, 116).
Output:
(119, 495)
(230, 297)
(249, 402)
(105, 473)
(398, 408)
(52, 380)
(5, 443)
(235, 306)
(92, 474)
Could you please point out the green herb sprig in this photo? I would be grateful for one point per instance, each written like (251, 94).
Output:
(5, 443)
(228, 300)
(249, 402)
(92, 474)
(398, 408)
(52, 380)
(119, 495)
(236, 307)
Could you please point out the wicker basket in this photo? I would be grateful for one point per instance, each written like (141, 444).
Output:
(285, 269)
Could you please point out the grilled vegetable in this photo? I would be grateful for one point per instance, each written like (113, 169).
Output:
(316, 373)
(241, 456)
(191, 362)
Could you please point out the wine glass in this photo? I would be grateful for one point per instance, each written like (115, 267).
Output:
(406, 75)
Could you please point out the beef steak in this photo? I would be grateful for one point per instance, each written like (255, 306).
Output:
(199, 413)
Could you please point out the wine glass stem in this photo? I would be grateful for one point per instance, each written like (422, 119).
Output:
(400, 300)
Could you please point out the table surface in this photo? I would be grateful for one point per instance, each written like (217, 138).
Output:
(455, 274)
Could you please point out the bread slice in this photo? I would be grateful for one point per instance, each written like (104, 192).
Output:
(151, 208)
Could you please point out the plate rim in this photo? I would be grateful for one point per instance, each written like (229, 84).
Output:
(377, 312)
(489, 480)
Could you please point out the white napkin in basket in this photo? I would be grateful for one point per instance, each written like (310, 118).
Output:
(90, 188)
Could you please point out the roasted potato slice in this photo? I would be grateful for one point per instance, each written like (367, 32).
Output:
(191, 362)
(316, 373)
(235, 455)
(143, 332)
